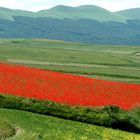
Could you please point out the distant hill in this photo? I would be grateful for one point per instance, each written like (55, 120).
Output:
(86, 24)
(81, 12)
(9, 14)
(130, 13)
(65, 12)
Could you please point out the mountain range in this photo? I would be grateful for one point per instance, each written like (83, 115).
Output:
(86, 24)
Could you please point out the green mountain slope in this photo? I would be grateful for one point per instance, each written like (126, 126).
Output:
(74, 24)
(62, 12)
(130, 13)
(81, 12)
(9, 14)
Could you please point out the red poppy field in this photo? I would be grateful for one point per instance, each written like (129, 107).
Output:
(65, 88)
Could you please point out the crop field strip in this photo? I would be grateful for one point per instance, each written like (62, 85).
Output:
(93, 72)
(48, 85)
(119, 62)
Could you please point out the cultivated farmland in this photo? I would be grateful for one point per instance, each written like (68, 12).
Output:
(66, 88)
(114, 63)
(117, 66)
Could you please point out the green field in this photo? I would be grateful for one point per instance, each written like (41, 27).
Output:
(36, 127)
(6, 129)
(114, 63)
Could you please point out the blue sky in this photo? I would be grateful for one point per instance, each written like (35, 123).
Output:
(36, 5)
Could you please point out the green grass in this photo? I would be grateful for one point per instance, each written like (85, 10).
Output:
(114, 63)
(36, 127)
(6, 129)
(108, 116)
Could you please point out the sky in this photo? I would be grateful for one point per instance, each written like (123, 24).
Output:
(36, 5)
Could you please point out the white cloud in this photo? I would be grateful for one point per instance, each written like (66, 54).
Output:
(35, 5)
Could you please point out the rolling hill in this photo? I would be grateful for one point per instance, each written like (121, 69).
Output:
(130, 13)
(65, 12)
(9, 14)
(86, 24)
(81, 12)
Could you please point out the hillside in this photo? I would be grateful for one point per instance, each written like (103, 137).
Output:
(130, 13)
(85, 24)
(9, 14)
(82, 30)
(65, 12)
(81, 12)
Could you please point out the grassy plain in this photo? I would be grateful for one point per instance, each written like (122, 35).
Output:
(114, 63)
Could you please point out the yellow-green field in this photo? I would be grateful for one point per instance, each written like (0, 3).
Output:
(36, 127)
